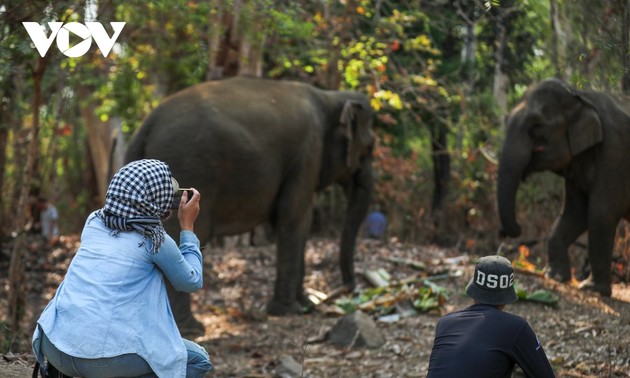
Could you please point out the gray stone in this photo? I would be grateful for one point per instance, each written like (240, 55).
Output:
(357, 329)
(288, 368)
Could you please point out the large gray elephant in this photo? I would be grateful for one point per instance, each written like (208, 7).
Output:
(583, 136)
(257, 150)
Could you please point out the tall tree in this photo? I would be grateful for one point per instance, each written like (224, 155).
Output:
(625, 46)
(16, 267)
(470, 12)
(501, 17)
(553, 53)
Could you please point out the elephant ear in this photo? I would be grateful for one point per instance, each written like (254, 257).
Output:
(585, 129)
(348, 121)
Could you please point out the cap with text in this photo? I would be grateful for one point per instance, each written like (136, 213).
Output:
(493, 281)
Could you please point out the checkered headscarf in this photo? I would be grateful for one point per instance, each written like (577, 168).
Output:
(138, 196)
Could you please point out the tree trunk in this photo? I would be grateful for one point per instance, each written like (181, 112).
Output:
(499, 88)
(117, 147)
(5, 121)
(250, 54)
(625, 29)
(441, 176)
(99, 139)
(215, 32)
(20, 146)
(469, 57)
(49, 178)
(591, 52)
(10, 121)
(466, 12)
(554, 38)
(441, 167)
(16, 265)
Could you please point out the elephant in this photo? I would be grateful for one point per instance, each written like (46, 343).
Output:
(584, 137)
(259, 150)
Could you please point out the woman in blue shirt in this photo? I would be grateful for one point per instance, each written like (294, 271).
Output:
(110, 316)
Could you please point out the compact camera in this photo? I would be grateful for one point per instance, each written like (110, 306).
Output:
(178, 196)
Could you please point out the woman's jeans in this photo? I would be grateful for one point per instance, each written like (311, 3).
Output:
(126, 365)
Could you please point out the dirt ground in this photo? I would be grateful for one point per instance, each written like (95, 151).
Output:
(584, 335)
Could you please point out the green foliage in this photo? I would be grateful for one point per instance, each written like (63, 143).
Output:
(168, 53)
(430, 296)
(406, 56)
(423, 295)
(541, 296)
(291, 33)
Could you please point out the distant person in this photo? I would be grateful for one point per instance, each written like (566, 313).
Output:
(111, 316)
(375, 225)
(482, 340)
(48, 221)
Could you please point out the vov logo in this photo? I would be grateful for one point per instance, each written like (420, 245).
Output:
(61, 33)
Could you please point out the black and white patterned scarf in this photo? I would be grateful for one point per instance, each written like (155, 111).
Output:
(138, 197)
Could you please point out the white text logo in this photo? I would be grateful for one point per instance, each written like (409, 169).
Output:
(492, 281)
(61, 33)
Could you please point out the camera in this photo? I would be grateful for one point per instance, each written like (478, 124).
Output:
(178, 197)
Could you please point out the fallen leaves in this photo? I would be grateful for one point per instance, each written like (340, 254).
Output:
(584, 335)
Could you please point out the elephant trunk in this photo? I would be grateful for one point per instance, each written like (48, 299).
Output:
(359, 195)
(512, 165)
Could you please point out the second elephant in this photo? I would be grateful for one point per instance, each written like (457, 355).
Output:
(583, 136)
(257, 150)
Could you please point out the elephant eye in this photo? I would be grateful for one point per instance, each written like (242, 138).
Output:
(536, 131)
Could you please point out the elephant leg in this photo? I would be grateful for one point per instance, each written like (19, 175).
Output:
(306, 304)
(301, 297)
(567, 228)
(292, 224)
(601, 240)
(289, 270)
(189, 326)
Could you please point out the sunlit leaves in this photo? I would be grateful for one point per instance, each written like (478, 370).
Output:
(423, 295)
(386, 97)
(424, 80)
(363, 59)
(421, 43)
(491, 3)
(353, 71)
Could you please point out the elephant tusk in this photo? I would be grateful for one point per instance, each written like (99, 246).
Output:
(489, 156)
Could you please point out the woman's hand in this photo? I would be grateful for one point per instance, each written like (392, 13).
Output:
(188, 210)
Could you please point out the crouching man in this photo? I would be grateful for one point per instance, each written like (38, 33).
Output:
(482, 340)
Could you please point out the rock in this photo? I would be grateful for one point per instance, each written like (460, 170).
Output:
(288, 368)
(357, 329)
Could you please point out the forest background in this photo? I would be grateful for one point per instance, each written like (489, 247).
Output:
(441, 75)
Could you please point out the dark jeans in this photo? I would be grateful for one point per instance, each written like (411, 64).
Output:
(126, 365)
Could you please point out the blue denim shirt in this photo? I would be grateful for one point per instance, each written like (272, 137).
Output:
(113, 299)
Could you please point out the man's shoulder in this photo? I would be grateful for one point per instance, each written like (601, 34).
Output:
(514, 317)
(507, 322)
(455, 315)
(488, 311)
(504, 315)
